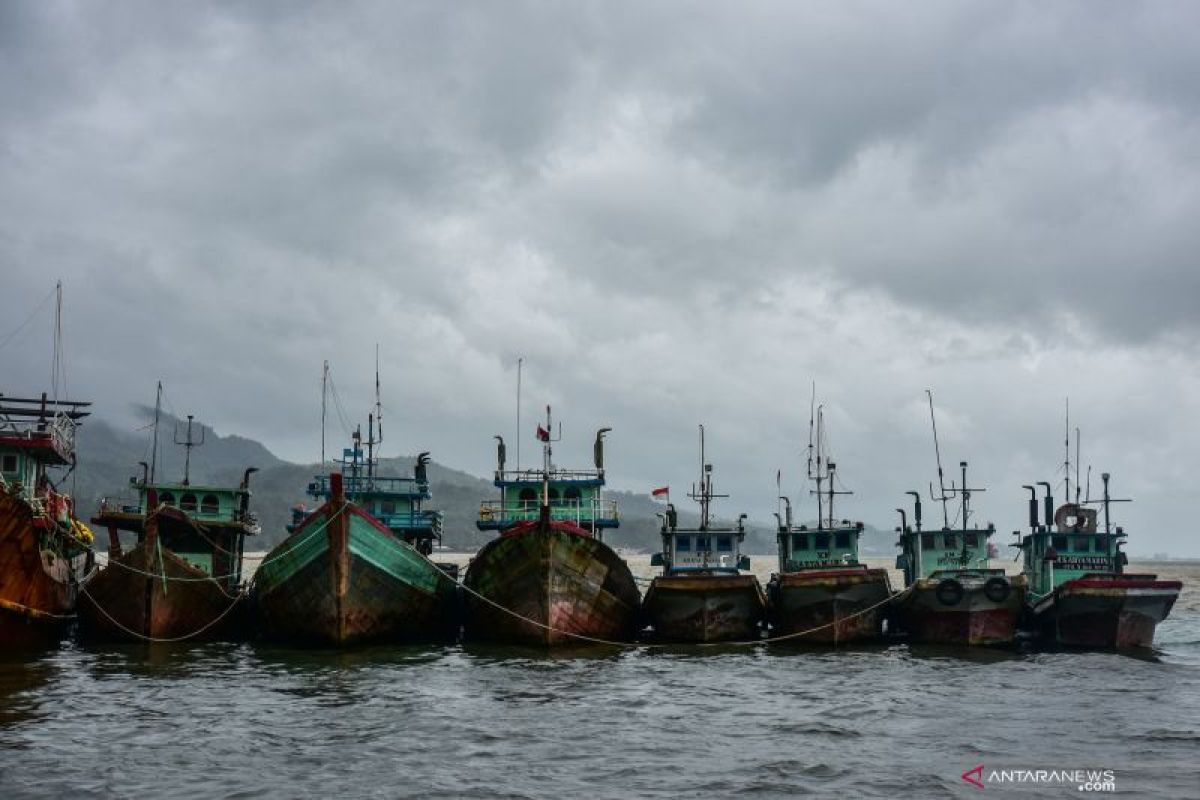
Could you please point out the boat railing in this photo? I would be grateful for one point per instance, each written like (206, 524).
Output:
(412, 520)
(362, 485)
(556, 475)
(58, 432)
(577, 511)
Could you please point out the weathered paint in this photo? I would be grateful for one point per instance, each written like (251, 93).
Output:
(813, 599)
(975, 620)
(567, 582)
(1105, 611)
(705, 607)
(349, 582)
(154, 593)
(41, 565)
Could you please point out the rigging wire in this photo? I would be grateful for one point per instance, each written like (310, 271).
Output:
(7, 339)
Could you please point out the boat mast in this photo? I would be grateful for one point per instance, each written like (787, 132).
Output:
(520, 363)
(324, 394)
(374, 424)
(938, 454)
(188, 443)
(154, 439)
(1077, 459)
(1067, 450)
(546, 453)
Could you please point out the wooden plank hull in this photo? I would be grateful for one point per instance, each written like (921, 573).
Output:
(1105, 612)
(975, 619)
(831, 605)
(124, 603)
(39, 577)
(705, 608)
(350, 584)
(569, 585)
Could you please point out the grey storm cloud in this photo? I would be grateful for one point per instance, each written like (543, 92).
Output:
(675, 212)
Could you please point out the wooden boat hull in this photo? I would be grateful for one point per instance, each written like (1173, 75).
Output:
(350, 582)
(1111, 612)
(705, 608)
(976, 619)
(833, 606)
(567, 583)
(39, 577)
(129, 600)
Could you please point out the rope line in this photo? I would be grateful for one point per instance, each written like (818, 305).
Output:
(597, 640)
(157, 639)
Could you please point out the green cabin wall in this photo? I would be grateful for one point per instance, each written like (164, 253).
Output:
(1078, 554)
(801, 548)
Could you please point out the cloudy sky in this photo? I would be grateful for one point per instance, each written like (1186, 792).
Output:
(675, 213)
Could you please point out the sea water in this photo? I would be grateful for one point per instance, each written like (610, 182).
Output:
(229, 720)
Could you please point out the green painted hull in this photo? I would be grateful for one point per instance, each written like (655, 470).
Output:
(333, 586)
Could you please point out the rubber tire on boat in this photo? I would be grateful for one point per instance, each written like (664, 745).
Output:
(949, 592)
(996, 590)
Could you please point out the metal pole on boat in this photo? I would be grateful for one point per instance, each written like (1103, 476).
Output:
(154, 446)
(917, 522)
(520, 362)
(938, 454)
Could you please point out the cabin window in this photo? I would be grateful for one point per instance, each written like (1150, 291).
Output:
(571, 496)
(188, 502)
(822, 541)
(10, 462)
(553, 495)
(528, 497)
(842, 540)
(387, 507)
(724, 544)
(1101, 545)
(927, 541)
(166, 498)
(1083, 544)
(799, 541)
(683, 544)
(1060, 543)
(703, 543)
(950, 541)
(972, 540)
(209, 504)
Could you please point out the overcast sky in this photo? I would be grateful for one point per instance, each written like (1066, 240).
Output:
(676, 213)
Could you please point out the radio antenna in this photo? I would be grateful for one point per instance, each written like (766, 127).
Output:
(938, 454)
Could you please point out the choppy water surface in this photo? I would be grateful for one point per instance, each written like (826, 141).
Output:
(245, 720)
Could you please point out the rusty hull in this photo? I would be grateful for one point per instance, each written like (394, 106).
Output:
(1112, 612)
(705, 607)
(975, 620)
(830, 604)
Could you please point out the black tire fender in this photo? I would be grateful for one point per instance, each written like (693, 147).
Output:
(997, 589)
(949, 592)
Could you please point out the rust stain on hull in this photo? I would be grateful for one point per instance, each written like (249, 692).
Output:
(705, 608)
(975, 620)
(831, 602)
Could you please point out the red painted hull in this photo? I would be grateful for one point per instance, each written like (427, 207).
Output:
(705, 608)
(38, 584)
(975, 619)
(829, 606)
(1113, 612)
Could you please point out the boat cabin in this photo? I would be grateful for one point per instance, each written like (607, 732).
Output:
(35, 434)
(204, 525)
(701, 549)
(396, 502)
(575, 496)
(819, 548)
(1069, 544)
(926, 552)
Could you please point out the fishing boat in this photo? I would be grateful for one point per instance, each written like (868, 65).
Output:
(702, 595)
(45, 552)
(356, 569)
(953, 595)
(183, 577)
(823, 592)
(548, 578)
(1079, 592)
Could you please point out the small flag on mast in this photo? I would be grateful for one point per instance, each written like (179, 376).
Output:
(661, 491)
(543, 434)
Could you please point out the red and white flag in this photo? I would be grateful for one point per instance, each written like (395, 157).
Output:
(543, 434)
(661, 492)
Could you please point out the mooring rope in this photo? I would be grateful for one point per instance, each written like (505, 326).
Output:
(614, 643)
(233, 598)
(156, 639)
